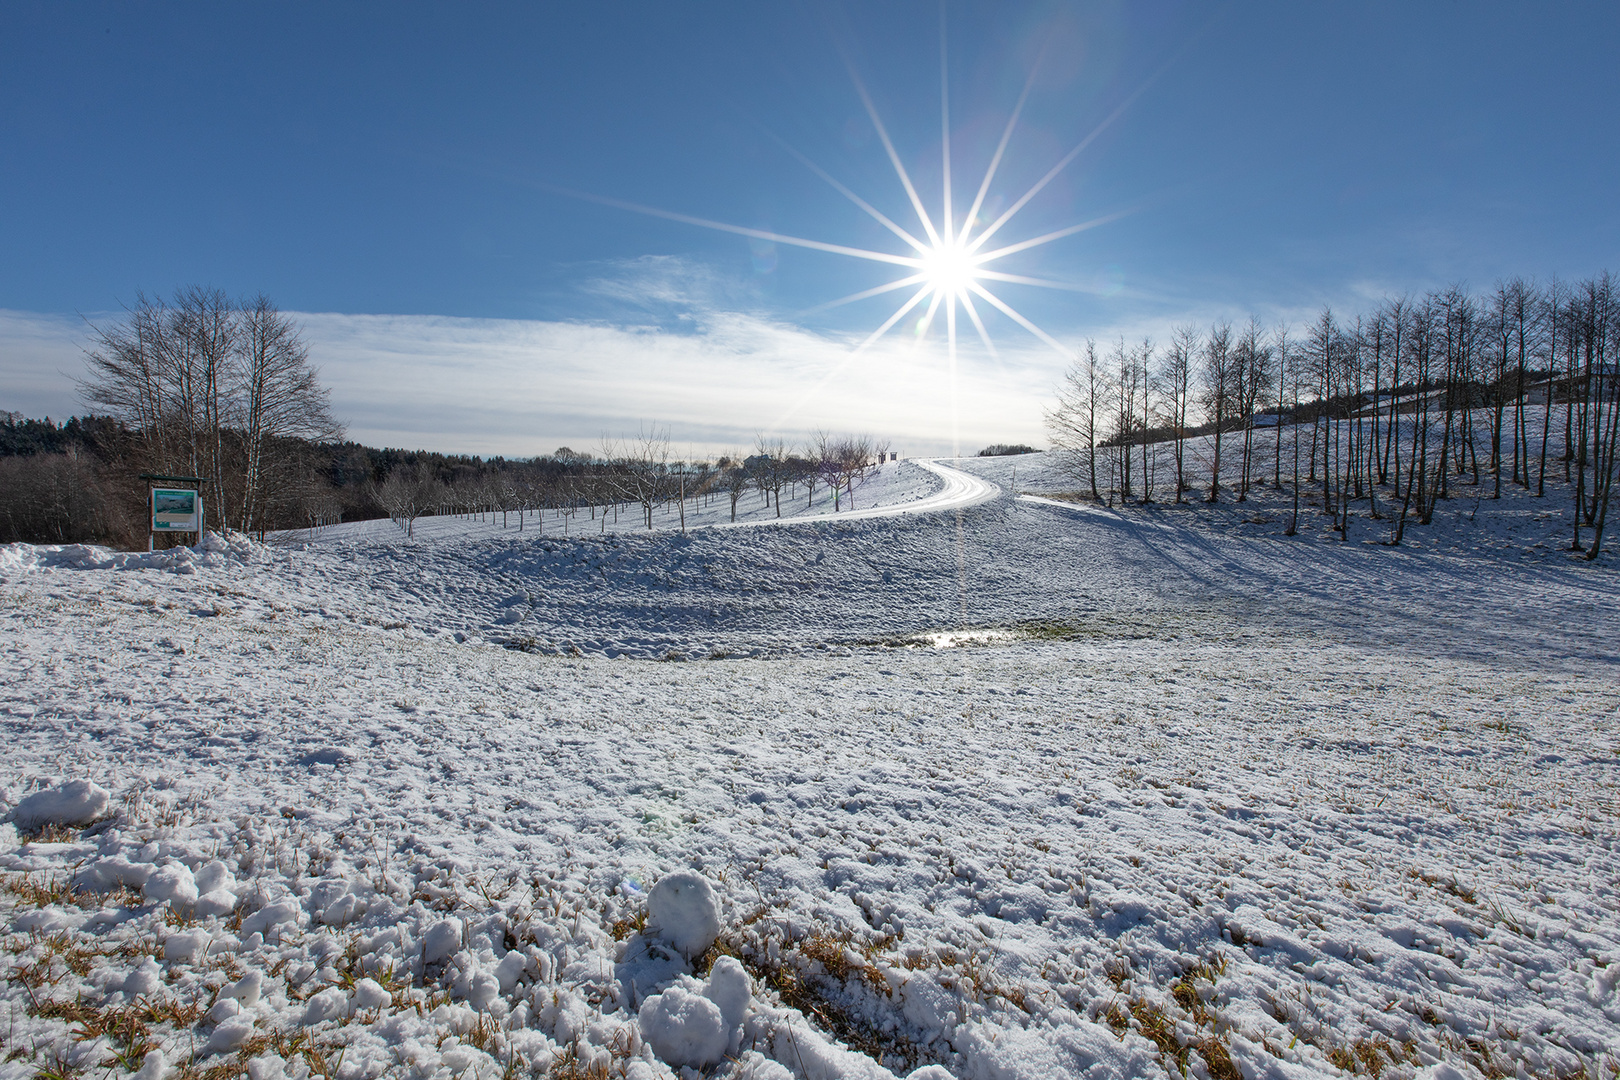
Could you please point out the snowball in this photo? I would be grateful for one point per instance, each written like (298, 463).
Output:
(147, 978)
(510, 970)
(246, 989)
(51, 919)
(229, 1035)
(345, 909)
(217, 902)
(442, 939)
(153, 1066)
(687, 912)
(369, 994)
(756, 1066)
(215, 875)
(186, 947)
(268, 1066)
(172, 883)
(684, 1028)
(930, 1072)
(926, 1004)
(111, 872)
(1441, 1071)
(223, 1010)
(730, 988)
(77, 802)
(482, 990)
(271, 915)
(329, 1004)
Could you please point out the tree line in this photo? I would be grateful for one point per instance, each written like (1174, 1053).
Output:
(222, 390)
(1388, 411)
(641, 474)
(78, 481)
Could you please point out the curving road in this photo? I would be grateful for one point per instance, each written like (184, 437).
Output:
(960, 490)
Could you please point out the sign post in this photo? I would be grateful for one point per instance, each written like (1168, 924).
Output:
(174, 509)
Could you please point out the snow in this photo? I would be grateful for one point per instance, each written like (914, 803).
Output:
(1021, 789)
(684, 1027)
(172, 884)
(77, 802)
(685, 912)
(730, 988)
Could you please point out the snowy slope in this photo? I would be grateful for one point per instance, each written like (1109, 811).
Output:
(1210, 799)
(885, 490)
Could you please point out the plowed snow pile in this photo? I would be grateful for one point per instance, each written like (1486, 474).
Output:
(1181, 800)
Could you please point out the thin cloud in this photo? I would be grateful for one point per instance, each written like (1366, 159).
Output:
(712, 375)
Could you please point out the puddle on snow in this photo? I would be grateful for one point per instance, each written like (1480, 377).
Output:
(950, 639)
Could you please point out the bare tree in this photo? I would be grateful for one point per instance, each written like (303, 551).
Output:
(1217, 377)
(407, 494)
(1594, 325)
(643, 470)
(1073, 423)
(1144, 417)
(1252, 373)
(734, 479)
(163, 372)
(772, 471)
(210, 388)
(1292, 365)
(851, 457)
(1283, 360)
(1551, 313)
(1395, 317)
(280, 397)
(1176, 395)
(1121, 440)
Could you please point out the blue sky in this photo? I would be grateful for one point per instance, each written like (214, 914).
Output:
(394, 171)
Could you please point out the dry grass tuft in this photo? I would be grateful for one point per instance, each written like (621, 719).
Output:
(815, 974)
(40, 889)
(1159, 1022)
(635, 923)
(50, 833)
(570, 1067)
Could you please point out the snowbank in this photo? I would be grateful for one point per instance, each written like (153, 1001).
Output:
(214, 551)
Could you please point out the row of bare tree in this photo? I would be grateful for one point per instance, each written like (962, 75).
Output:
(642, 472)
(1391, 410)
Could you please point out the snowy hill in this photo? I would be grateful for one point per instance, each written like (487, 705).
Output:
(1189, 797)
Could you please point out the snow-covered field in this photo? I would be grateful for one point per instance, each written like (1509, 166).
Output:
(1187, 796)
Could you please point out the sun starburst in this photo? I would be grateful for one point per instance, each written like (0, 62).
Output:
(951, 264)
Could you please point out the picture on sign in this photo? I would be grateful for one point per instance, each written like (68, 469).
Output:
(175, 510)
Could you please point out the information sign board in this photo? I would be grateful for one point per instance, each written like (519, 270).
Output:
(176, 510)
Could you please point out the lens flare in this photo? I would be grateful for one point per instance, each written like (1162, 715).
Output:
(946, 265)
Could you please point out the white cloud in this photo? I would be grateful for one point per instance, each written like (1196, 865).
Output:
(681, 348)
(714, 377)
(522, 387)
(40, 357)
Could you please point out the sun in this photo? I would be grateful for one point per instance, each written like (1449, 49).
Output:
(948, 262)
(949, 268)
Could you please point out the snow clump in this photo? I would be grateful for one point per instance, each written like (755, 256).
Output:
(695, 1024)
(686, 911)
(173, 883)
(77, 802)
